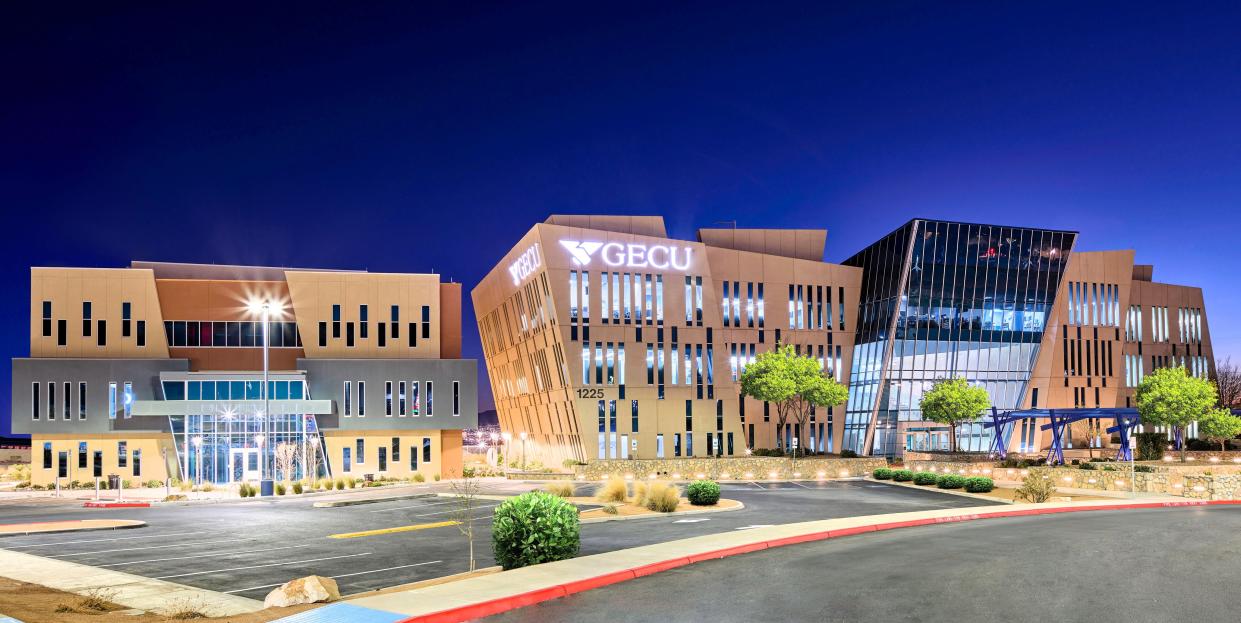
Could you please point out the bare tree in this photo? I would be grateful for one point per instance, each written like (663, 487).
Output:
(465, 502)
(310, 463)
(1228, 383)
(285, 458)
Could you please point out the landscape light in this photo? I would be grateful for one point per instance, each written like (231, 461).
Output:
(700, 476)
(821, 474)
(1215, 459)
(749, 475)
(772, 475)
(725, 476)
(676, 476)
(628, 476)
(797, 474)
(844, 473)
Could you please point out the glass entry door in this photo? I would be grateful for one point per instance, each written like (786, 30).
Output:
(245, 464)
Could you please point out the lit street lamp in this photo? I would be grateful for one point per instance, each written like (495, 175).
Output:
(267, 467)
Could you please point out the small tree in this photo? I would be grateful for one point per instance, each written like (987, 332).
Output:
(1228, 383)
(285, 458)
(464, 503)
(1095, 431)
(793, 383)
(1219, 425)
(1171, 397)
(954, 402)
(310, 462)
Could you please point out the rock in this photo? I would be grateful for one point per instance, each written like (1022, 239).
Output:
(307, 590)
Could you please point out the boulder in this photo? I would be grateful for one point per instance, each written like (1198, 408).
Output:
(307, 590)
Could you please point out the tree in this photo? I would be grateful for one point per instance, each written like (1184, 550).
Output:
(464, 503)
(310, 461)
(285, 457)
(1228, 383)
(1171, 397)
(794, 383)
(953, 402)
(1096, 431)
(1219, 425)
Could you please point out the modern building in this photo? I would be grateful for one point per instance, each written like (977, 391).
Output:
(157, 370)
(604, 338)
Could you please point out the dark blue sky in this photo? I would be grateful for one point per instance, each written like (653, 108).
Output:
(394, 137)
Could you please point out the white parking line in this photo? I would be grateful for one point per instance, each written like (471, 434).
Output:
(455, 510)
(345, 575)
(800, 484)
(135, 549)
(759, 486)
(248, 551)
(273, 564)
(401, 508)
(123, 538)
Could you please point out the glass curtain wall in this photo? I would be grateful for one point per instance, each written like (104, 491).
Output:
(973, 303)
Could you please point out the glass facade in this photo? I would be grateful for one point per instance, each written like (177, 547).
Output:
(942, 299)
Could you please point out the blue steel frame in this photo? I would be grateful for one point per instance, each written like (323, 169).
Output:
(1125, 421)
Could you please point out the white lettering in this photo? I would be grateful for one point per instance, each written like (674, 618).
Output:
(612, 254)
(636, 259)
(660, 264)
(672, 255)
(525, 264)
(631, 255)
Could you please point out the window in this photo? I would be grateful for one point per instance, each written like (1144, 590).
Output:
(68, 402)
(426, 325)
(81, 455)
(456, 398)
(361, 452)
(361, 399)
(61, 329)
(659, 446)
(362, 321)
(430, 407)
(426, 450)
(413, 458)
(346, 464)
(396, 449)
(349, 337)
(86, 318)
(97, 464)
(142, 332)
(82, 400)
(396, 326)
(347, 403)
(415, 409)
(128, 399)
(102, 334)
(383, 335)
(122, 453)
(633, 415)
(400, 393)
(322, 333)
(47, 319)
(62, 464)
(47, 455)
(383, 459)
(388, 399)
(336, 322)
(51, 401)
(127, 309)
(35, 403)
(137, 462)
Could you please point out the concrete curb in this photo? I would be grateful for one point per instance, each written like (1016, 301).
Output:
(964, 494)
(700, 511)
(135, 524)
(559, 579)
(395, 498)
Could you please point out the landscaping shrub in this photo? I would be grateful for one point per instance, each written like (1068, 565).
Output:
(1145, 469)
(533, 528)
(25, 484)
(419, 478)
(848, 454)
(979, 484)
(902, 475)
(560, 489)
(662, 497)
(280, 488)
(1036, 488)
(176, 497)
(1087, 466)
(614, 490)
(925, 478)
(950, 481)
(297, 487)
(436, 477)
(153, 484)
(340, 484)
(1151, 446)
(883, 473)
(703, 493)
(243, 490)
(639, 493)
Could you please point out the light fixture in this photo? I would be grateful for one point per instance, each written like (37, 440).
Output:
(844, 473)
(821, 474)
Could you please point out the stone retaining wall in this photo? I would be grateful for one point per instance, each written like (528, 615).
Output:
(737, 468)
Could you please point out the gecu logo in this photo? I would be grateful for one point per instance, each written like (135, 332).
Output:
(630, 255)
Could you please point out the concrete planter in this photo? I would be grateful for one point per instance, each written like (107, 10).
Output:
(736, 468)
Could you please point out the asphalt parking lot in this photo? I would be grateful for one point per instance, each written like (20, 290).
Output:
(248, 548)
(1172, 564)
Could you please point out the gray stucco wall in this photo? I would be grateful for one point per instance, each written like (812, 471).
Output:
(96, 373)
(327, 377)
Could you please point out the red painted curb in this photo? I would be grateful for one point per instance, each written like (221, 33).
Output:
(512, 602)
(117, 505)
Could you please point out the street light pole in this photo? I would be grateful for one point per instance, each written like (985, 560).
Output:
(266, 486)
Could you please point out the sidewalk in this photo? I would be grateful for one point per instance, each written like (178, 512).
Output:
(76, 525)
(482, 596)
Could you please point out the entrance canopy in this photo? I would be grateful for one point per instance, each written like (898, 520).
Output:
(1124, 421)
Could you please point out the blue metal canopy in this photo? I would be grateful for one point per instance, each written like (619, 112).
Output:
(1125, 420)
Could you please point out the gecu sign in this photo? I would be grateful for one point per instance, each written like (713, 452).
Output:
(525, 264)
(631, 255)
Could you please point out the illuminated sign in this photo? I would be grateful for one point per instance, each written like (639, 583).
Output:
(525, 264)
(629, 255)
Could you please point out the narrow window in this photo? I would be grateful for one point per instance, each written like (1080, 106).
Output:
(81, 455)
(426, 323)
(430, 395)
(456, 398)
(346, 464)
(346, 400)
(142, 332)
(112, 400)
(361, 400)
(363, 321)
(396, 335)
(51, 401)
(336, 322)
(82, 400)
(47, 319)
(128, 399)
(396, 450)
(47, 455)
(426, 450)
(383, 335)
(400, 394)
(35, 402)
(322, 333)
(68, 402)
(126, 315)
(388, 399)
(86, 325)
(60, 333)
(361, 451)
(122, 453)
(349, 338)
(413, 458)
(137, 462)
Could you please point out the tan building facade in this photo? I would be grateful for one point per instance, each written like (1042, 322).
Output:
(156, 371)
(604, 338)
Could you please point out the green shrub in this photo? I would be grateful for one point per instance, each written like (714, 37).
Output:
(436, 477)
(297, 487)
(1151, 446)
(979, 484)
(1145, 469)
(153, 484)
(243, 490)
(950, 481)
(614, 490)
(1035, 488)
(883, 473)
(902, 475)
(662, 497)
(1087, 466)
(340, 484)
(848, 454)
(925, 478)
(419, 477)
(533, 528)
(703, 493)
(25, 484)
(280, 488)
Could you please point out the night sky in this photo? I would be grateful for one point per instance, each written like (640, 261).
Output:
(403, 138)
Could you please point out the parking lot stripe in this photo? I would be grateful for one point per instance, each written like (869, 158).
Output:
(273, 564)
(401, 508)
(248, 551)
(135, 549)
(336, 577)
(454, 510)
(122, 538)
(417, 526)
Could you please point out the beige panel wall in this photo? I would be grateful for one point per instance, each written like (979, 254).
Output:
(314, 293)
(152, 446)
(106, 289)
(445, 454)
